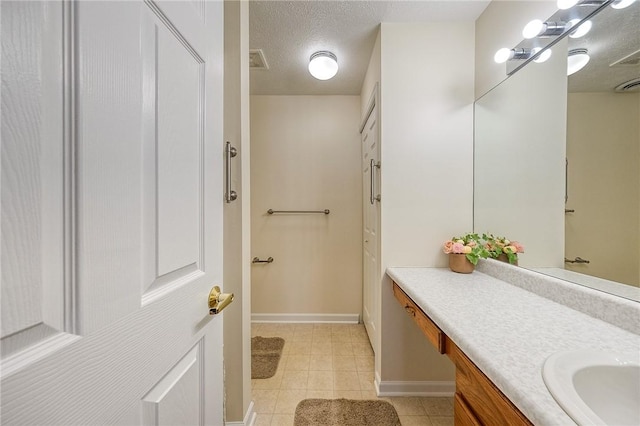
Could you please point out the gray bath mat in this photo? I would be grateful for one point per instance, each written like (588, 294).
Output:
(265, 356)
(345, 412)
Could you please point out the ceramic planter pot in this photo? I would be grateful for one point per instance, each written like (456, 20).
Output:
(460, 264)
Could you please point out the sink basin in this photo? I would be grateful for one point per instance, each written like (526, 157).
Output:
(595, 388)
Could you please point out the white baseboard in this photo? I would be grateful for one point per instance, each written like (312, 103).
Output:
(430, 388)
(249, 418)
(307, 318)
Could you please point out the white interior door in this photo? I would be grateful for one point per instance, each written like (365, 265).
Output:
(111, 212)
(371, 223)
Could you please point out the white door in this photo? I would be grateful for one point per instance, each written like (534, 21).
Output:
(371, 209)
(111, 212)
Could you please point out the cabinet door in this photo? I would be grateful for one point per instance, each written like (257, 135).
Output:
(488, 404)
(463, 416)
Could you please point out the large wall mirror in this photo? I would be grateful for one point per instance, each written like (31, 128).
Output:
(557, 158)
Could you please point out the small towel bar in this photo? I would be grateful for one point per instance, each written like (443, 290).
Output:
(258, 260)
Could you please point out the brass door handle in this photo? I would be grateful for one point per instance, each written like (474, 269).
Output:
(218, 301)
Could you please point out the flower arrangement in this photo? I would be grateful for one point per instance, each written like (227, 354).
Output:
(476, 247)
(497, 246)
(470, 245)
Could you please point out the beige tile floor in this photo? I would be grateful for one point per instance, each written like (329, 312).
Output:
(330, 361)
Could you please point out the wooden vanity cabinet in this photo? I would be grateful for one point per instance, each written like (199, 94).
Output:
(477, 400)
(433, 333)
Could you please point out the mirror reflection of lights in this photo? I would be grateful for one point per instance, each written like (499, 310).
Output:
(621, 4)
(577, 59)
(543, 57)
(581, 30)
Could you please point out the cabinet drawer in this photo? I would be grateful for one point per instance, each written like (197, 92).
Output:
(482, 397)
(463, 416)
(428, 327)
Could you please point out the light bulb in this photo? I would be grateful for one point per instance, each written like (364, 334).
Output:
(543, 57)
(621, 4)
(503, 55)
(566, 4)
(580, 31)
(577, 60)
(533, 29)
(323, 65)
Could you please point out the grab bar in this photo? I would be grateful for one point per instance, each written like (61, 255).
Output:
(325, 211)
(230, 152)
(576, 260)
(257, 260)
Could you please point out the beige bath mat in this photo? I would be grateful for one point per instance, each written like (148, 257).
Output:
(265, 356)
(345, 412)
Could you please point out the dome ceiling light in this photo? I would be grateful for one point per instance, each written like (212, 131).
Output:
(323, 65)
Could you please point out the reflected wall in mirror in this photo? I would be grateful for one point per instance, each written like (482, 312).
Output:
(524, 129)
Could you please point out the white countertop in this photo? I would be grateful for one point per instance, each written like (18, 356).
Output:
(508, 332)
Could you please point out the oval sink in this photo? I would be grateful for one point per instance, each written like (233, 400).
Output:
(595, 388)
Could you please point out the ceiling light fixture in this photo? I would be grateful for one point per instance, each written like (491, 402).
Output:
(580, 31)
(621, 4)
(323, 65)
(577, 60)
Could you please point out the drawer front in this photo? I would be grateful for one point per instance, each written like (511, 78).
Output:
(482, 397)
(428, 327)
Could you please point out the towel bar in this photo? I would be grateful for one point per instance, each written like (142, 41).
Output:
(325, 211)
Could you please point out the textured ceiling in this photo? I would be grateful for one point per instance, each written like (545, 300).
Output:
(615, 34)
(290, 31)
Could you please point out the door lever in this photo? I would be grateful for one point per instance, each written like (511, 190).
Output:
(218, 301)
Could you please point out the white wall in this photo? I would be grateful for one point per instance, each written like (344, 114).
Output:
(500, 25)
(306, 156)
(603, 147)
(427, 185)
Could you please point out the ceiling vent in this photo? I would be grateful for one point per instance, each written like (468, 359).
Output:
(629, 86)
(631, 59)
(257, 60)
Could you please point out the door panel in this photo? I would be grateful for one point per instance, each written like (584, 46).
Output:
(111, 174)
(174, 111)
(371, 290)
(34, 309)
(176, 399)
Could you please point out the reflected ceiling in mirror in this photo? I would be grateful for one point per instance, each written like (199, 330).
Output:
(597, 129)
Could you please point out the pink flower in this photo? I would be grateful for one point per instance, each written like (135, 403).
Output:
(457, 248)
(519, 247)
(448, 247)
(471, 243)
